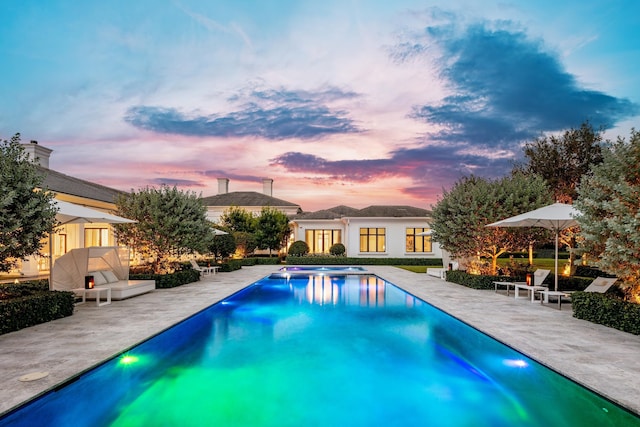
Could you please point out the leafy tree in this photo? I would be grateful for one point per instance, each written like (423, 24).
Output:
(609, 202)
(238, 219)
(298, 248)
(27, 211)
(460, 216)
(170, 223)
(223, 245)
(272, 229)
(563, 160)
(245, 242)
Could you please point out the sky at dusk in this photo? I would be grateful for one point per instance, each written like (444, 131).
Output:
(339, 102)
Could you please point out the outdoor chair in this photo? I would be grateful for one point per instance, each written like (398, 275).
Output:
(203, 270)
(538, 277)
(599, 284)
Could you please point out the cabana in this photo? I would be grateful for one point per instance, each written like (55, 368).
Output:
(108, 266)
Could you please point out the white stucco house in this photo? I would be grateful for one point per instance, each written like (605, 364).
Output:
(375, 231)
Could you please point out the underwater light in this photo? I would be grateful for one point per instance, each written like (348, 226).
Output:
(516, 363)
(128, 359)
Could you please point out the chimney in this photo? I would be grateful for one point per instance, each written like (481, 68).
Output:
(267, 187)
(37, 153)
(223, 185)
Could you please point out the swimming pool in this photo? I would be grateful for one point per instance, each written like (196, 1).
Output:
(342, 350)
(330, 268)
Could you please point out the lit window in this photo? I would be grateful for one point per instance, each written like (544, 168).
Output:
(96, 237)
(373, 240)
(416, 243)
(320, 241)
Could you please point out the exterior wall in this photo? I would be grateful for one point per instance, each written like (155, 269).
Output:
(395, 237)
(301, 227)
(350, 227)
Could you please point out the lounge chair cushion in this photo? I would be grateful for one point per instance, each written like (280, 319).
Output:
(98, 278)
(110, 276)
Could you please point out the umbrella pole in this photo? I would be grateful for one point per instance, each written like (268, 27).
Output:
(556, 260)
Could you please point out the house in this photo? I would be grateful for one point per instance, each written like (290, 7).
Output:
(73, 190)
(250, 201)
(375, 231)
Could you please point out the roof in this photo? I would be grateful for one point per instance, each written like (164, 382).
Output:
(368, 212)
(245, 198)
(391, 212)
(65, 184)
(331, 213)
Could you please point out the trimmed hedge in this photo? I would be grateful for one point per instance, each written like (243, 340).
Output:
(32, 303)
(605, 310)
(260, 261)
(339, 260)
(231, 265)
(164, 281)
(486, 282)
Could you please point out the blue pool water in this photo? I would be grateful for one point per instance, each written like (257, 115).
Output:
(327, 268)
(347, 350)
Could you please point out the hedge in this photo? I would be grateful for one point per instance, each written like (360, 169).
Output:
(164, 281)
(606, 310)
(32, 303)
(486, 282)
(339, 260)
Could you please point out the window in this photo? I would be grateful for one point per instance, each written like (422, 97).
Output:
(373, 240)
(320, 241)
(96, 237)
(416, 243)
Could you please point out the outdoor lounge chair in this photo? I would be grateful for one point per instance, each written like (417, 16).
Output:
(203, 270)
(538, 277)
(599, 284)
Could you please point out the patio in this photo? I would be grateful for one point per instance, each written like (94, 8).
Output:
(598, 357)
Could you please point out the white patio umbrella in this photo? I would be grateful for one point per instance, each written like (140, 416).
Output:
(217, 232)
(555, 217)
(70, 213)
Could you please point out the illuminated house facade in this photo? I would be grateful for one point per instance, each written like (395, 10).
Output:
(72, 190)
(375, 231)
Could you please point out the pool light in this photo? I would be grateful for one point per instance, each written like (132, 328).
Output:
(515, 363)
(128, 359)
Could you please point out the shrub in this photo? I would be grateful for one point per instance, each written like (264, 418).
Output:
(298, 248)
(606, 310)
(232, 265)
(337, 249)
(30, 304)
(171, 280)
(329, 260)
(477, 281)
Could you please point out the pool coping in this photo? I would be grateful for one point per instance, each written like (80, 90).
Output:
(600, 358)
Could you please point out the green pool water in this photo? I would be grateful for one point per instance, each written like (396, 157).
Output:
(307, 350)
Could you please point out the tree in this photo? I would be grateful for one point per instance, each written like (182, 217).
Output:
(272, 229)
(238, 219)
(609, 202)
(28, 214)
(245, 242)
(223, 245)
(563, 161)
(170, 223)
(460, 216)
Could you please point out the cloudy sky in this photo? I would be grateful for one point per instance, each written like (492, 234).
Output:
(339, 102)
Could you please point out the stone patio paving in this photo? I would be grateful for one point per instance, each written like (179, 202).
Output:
(600, 358)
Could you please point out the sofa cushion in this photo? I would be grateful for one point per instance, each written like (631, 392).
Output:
(98, 278)
(110, 276)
